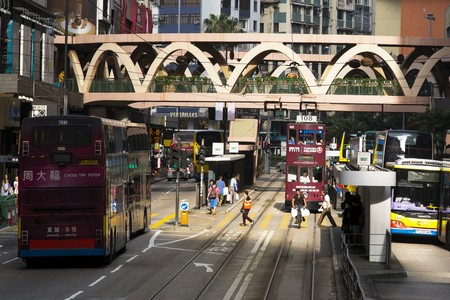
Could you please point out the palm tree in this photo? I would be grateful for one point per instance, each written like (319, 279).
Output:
(221, 24)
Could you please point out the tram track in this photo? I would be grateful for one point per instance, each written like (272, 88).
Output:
(270, 191)
(214, 238)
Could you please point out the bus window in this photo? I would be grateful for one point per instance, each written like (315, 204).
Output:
(292, 174)
(309, 137)
(319, 137)
(317, 174)
(292, 135)
(304, 178)
(301, 137)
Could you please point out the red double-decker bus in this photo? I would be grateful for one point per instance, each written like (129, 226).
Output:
(305, 162)
(84, 186)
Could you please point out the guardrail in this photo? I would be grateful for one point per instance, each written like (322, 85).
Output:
(350, 275)
(352, 279)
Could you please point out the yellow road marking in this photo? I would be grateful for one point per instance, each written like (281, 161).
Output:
(285, 220)
(162, 221)
(225, 220)
(266, 220)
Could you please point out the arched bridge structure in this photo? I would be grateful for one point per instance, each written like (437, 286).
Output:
(263, 71)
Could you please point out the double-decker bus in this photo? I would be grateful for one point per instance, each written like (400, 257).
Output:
(416, 196)
(444, 207)
(84, 186)
(391, 145)
(305, 162)
(344, 146)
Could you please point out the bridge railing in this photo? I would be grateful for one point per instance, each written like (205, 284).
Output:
(261, 85)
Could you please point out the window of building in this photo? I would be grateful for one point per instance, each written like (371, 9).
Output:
(191, 2)
(169, 2)
(255, 6)
(255, 26)
(276, 27)
(236, 4)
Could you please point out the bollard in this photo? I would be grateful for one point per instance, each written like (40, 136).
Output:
(184, 218)
(9, 216)
(184, 207)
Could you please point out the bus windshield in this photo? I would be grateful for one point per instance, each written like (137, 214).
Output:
(66, 135)
(417, 190)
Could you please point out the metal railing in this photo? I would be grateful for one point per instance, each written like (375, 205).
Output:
(351, 278)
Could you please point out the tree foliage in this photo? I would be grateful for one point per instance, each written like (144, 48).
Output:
(434, 121)
(221, 24)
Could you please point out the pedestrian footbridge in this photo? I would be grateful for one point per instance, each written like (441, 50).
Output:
(262, 71)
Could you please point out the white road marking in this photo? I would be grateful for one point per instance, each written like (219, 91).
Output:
(97, 281)
(131, 258)
(244, 286)
(74, 295)
(116, 269)
(8, 261)
(151, 243)
(245, 268)
(207, 266)
(183, 239)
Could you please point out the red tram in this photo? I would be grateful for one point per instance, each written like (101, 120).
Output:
(305, 162)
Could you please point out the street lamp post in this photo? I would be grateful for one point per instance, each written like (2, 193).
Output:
(430, 18)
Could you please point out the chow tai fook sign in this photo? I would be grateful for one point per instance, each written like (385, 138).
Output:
(60, 177)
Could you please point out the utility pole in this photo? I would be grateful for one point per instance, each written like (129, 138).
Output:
(177, 197)
(64, 83)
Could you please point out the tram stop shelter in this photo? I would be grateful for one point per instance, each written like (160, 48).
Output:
(374, 186)
(227, 165)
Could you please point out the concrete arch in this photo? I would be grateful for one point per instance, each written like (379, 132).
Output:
(267, 48)
(78, 70)
(426, 69)
(345, 57)
(196, 52)
(347, 69)
(124, 58)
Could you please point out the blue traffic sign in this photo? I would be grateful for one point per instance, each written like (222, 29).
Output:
(184, 206)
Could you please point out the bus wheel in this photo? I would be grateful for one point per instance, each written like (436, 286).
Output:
(144, 228)
(30, 262)
(110, 257)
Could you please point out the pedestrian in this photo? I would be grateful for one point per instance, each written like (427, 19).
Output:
(233, 189)
(298, 202)
(246, 206)
(345, 227)
(326, 209)
(220, 185)
(213, 196)
(16, 185)
(356, 220)
(347, 200)
(5, 187)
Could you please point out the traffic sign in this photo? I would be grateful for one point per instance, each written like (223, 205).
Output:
(184, 205)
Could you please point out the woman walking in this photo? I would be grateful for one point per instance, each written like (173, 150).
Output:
(213, 196)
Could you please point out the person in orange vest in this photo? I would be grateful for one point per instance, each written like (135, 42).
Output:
(246, 206)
